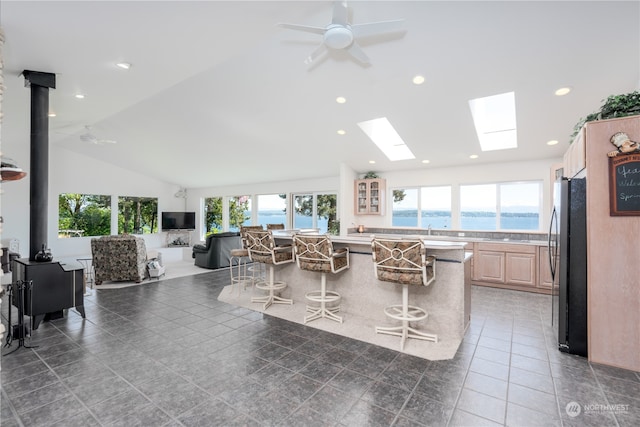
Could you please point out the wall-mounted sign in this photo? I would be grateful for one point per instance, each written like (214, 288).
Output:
(624, 185)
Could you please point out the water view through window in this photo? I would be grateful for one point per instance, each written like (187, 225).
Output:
(485, 207)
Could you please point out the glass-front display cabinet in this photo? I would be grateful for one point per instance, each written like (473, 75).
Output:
(369, 196)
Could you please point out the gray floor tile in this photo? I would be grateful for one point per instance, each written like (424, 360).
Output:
(255, 369)
(520, 416)
(486, 385)
(482, 405)
(424, 409)
(386, 396)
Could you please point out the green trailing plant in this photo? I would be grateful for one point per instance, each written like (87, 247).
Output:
(612, 107)
(370, 175)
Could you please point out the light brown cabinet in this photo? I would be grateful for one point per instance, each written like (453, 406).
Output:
(489, 266)
(545, 281)
(521, 269)
(574, 159)
(369, 196)
(505, 265)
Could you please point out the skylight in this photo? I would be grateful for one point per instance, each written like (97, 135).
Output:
(495, 120)
(387, 139)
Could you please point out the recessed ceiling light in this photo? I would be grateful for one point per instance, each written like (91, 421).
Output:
(52, 114)
(426, 161)
(418, 80)
(79, 96)
(341, 132)
(341, 100)
(123, 65)
(552, 142)
(372, 162)
(563, 91)
(473, 156)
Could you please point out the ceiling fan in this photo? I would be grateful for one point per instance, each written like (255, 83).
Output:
(90, 138)
(341, 34)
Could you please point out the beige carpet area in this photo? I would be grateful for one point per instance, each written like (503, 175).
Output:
(353, 326)
(172, 271)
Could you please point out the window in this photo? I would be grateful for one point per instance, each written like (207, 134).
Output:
(316, 210)
(404, 212)
(422, 207)
(272, 209)
(212, 215)
(520, 206)
(504, 206)
(435, 207)
(239, 212)
(83, 215)
(478, 207)
(137, 215)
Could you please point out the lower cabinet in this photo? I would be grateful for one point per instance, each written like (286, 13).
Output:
(521, 269)
(489, 266)
(545, 281)
(508, 265)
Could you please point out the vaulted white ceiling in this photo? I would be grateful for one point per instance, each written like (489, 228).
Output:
(219, 95)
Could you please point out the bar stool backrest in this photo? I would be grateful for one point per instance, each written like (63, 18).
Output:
(275, 226)
(262, 248)
(243, 232)
(400, 261)
(315, 253)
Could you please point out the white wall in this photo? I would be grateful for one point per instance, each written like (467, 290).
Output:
(70, 172)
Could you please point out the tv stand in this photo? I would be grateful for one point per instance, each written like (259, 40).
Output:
(178, 238)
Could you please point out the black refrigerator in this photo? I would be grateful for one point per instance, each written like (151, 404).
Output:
(568, 262)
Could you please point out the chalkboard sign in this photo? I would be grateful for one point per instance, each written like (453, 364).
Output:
(624, 185)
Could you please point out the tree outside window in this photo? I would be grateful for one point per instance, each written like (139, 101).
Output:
(137, 215)
(83, 215)
(239, 212)
(316, 211)
(212, 215)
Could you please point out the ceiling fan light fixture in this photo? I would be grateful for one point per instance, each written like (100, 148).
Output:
(338, 37)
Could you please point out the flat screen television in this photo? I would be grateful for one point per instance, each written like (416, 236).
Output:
(178, 221)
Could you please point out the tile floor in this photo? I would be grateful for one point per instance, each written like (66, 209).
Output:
(170, 354)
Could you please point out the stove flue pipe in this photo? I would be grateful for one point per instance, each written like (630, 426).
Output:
(40, 83)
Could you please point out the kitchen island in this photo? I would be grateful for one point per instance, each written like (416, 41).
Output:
(447, 300)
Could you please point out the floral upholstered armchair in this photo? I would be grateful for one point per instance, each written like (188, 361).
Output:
(119, 258)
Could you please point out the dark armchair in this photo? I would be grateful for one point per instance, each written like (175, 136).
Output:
(216, 250)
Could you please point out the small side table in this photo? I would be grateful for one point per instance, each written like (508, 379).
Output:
(87, 264)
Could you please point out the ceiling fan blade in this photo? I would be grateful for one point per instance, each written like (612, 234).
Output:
(355, 51)
(340, 13)
(305, 28)
(373, 28)
(315, 54)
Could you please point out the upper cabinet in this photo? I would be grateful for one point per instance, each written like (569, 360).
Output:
(574, 158)
(369, 196)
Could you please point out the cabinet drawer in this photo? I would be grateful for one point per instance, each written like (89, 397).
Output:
(507, 247)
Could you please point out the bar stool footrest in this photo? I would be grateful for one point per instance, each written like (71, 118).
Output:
(413, 314)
